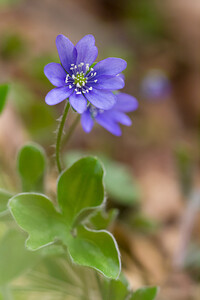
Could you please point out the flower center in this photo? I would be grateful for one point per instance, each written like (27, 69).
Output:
(81, 79)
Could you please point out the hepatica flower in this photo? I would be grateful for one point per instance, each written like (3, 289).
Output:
(79, 79)
(155, 85)
(109, 119)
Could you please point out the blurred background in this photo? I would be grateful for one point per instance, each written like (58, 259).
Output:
(156, 159)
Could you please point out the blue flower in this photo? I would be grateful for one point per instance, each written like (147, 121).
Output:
(155, 85)
(79, 79)
(109, 119)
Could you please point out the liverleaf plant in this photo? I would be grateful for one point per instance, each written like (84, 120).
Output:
(80, 192)
(66, 223)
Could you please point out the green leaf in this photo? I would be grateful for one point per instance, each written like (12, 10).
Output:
(31, 165)
(4, 88)
(36, 214)
(96, 249)
(146, 293)
(14, 258)
(4, 197)
(80, 189)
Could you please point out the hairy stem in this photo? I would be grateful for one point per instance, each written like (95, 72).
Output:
(59, 136)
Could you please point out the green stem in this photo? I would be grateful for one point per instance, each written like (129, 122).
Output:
(59, 136)
(71, 129)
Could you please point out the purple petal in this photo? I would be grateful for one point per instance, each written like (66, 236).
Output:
(57, 95)
(66, 51)
(120, 117)
(110, 66)
(105, 121)
(121, 75)
(86, 50)
(101, 99)
(78, 102)
(125, 103)
(106, 82)
(55, 73)
(86, 121)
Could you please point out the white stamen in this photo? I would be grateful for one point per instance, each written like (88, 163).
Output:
(78, 85)
(90, 88)
(70, 86)
(78, 93)
(72, 64)
(73, 76)
(95, 74)
(87, 67)
(95, 80)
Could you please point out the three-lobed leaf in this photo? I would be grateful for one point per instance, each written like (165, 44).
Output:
(80, 191)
